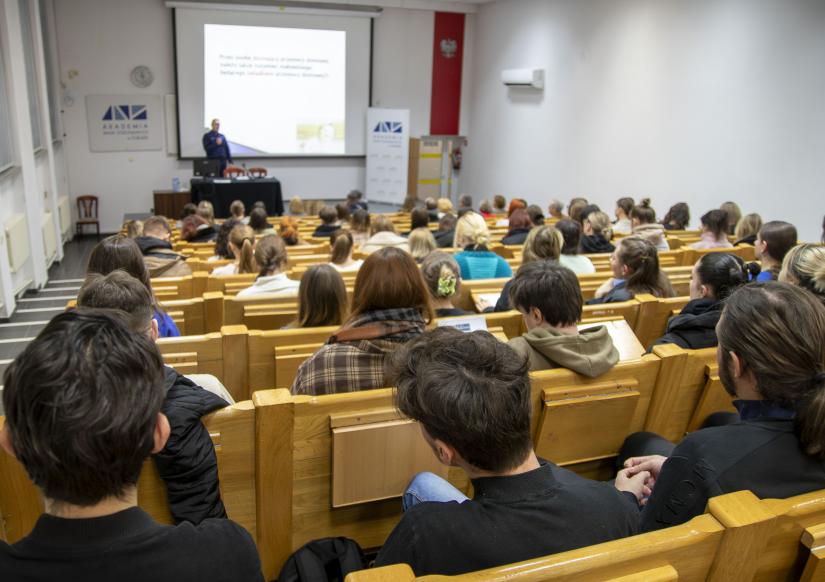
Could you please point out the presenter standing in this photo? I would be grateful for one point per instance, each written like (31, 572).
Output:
(216, 145)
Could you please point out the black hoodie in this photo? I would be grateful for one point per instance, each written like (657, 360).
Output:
(187, 464)
(695, 327)
(596, 243)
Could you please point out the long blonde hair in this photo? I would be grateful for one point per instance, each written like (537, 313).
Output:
(471, 230)
(422, 243)
(543, 243)
(748, 225)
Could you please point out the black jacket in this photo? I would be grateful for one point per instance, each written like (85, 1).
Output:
(444, 238)
(615, 295)
(695, 327)
(206, 234)
(515, 236)
(325, 230)
(510, 519)
(761, 453)
(187, 464)
(155, 247)
(748, 240)
(596, 243)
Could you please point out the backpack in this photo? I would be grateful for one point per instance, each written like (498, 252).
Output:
(323, 560)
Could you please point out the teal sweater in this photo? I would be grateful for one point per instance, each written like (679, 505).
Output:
(482, 265)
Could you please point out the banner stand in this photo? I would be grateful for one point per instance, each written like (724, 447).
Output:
(388, 145)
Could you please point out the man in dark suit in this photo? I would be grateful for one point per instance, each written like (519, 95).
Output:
(216, 146)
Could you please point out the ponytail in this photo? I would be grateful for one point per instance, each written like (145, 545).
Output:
(642, 258)
(270, 254)
(247, 258)
(810, 418)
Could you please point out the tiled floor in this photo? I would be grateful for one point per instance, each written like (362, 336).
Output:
(36, 308)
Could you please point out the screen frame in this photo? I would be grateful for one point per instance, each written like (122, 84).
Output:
(183, 158)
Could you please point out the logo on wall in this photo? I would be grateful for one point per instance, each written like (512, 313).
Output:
(389, 127)
(449, 47)
(126, 113)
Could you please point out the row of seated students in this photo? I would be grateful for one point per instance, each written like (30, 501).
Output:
(101, 378)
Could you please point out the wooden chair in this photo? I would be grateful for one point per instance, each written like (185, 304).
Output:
(224, 355)
(233, 432)
(684, 552)
(580, 423)
(257, 172)
(687, 390)
(341, 463)
(87, 213)
(233, 172)
(188, 314)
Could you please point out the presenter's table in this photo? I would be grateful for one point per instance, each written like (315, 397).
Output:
(221, 193)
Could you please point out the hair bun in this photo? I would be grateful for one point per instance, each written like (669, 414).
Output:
(644, 203)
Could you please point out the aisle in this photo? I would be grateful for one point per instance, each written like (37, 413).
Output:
(36, 308)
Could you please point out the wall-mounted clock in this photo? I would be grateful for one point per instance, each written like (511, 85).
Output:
(141, 76)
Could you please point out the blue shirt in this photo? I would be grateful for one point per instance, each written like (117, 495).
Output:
(482, 265)
(765, 276)
(213, 150)
(166, 327)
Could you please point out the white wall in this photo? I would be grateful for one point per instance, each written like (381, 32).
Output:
(700, 101)
(100, 41)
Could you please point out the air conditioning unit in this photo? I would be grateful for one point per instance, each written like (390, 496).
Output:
(532, 78)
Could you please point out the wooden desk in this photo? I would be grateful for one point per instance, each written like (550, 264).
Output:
(169, 203)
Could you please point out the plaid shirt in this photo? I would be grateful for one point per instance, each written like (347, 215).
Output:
(350, 366)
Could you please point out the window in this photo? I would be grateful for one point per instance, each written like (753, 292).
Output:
(31, 73)
(6, 152)
(52, 74)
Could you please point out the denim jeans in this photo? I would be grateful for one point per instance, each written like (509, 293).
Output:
(430, 487)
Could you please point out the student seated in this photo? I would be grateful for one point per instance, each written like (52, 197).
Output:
(296, 206)
(635, 266)
(734, 213)
(475, 260)
(241, 243)
(195, 229)
(549, 298)
(746, 229)
(536, 214)
(571, 230)
(555, 209)
(804, 266)
(187, 465)
(471, 396)
(156, 248)
(597, 234)
(774, 240)
(771, 360)
(714, 277)
(356, 202)
(419, 218)
(520, 225)
(103, 387)
(465, 204)
(443, 279)
(390, 306)
(677, 217)
(259, 224)
(288, 230)
(431, 206)
(342, 244)
(342, 210)
(444, 206)
(383, 235)
(516, 204)
(322, 298)
(445, 235)
(134, 228)
(329, 222)
(222, 250)
(485, 209)
(188, 210)
(271, 258)
(623, 224)
(499, 204)
(643, 218)
(422, 243)
(237, 210)
(714, 231)
(544, 243)
(118, 252)
(359, 225)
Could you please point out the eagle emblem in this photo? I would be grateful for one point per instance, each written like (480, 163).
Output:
(448, 47)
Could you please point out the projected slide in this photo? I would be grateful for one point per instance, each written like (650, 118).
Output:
(277, 91)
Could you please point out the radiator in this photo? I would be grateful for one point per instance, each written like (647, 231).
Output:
(65, 212)
(17, 237)
(49, 240)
